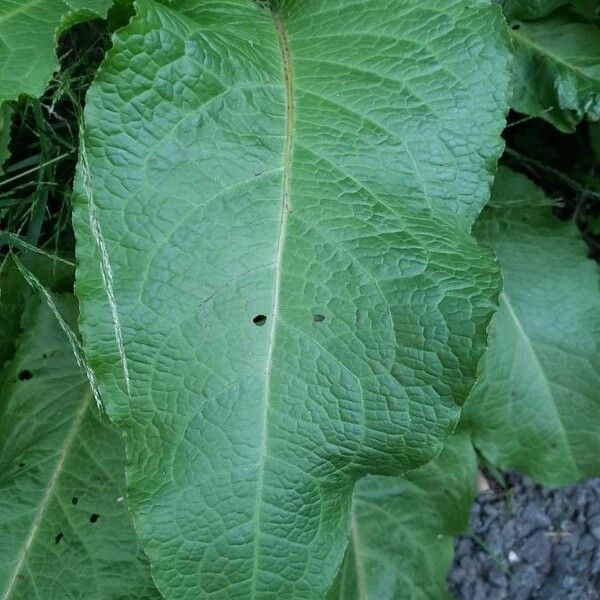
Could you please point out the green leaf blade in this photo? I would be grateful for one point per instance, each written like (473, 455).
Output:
(403, 528)
(530, 9)
(557, 70)
(61, 463)
(28, 34)
(300, 300)
(535, 406)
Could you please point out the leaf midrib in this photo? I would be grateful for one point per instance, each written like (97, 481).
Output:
(48, 493)
(358, 560)
(286, 59)
(547, 384)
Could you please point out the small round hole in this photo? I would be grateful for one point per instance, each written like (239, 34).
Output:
(25, 375)
(259, 320)
(94, 517)
(74, 500)
(59, 536)
(318, 318)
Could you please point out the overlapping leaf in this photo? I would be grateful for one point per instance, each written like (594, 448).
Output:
(279, 289)
(534, 409)
(54, 275)
(557, 68)
(536, 406)
(403, 529)
(531, 9)
(64, 525)
(28, 34)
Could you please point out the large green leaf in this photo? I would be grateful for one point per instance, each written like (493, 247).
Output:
(65, 529)
(557, 69)
(536, 406)
(28, 33)
(319, 165)
(403, 529)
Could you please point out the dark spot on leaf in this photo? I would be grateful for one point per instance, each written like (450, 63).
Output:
(21, 465)
(59, 536)
(74, 500)
(25, 375)
(516, 26)
(44, 355)
(259, 320)
(318, 318)
(94, 517)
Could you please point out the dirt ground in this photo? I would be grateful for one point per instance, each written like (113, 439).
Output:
(528, 542)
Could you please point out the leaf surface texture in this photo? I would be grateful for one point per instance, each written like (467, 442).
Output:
(403, 529)
(279, 288)
(557, 69)
(64, 525)
(536, 406)
(28, 34)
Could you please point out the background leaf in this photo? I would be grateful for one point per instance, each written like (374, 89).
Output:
(557, 69)
(28, 34)
(64, 525)
(54, 275)
(279, 288)
(531, 9)
(536, 406)
(403, 529)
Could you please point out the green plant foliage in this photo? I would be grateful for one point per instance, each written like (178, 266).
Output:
(595, 139)
(28, 34)
(535, 9)
(403, 528)
(6, 113)
(531, 9)
(557, 69)
(35, 192)
(53, 275)
(12, 291)
(590, 9)
(65, 529)
(287, 285)
(279, 288)
(536, 406)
